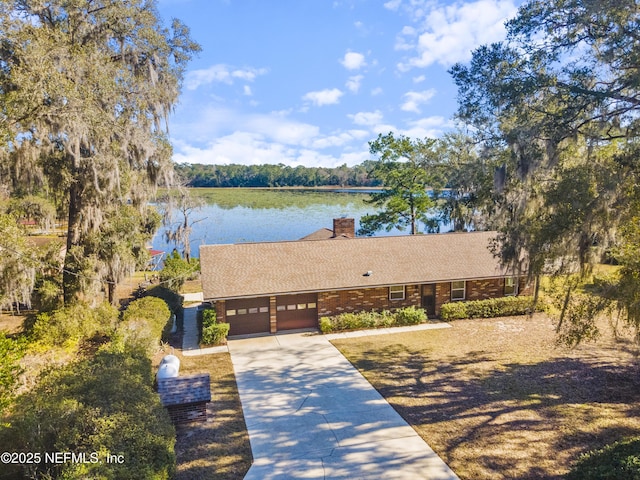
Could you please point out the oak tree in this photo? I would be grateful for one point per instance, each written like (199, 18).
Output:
(558, 103)
(87, 85)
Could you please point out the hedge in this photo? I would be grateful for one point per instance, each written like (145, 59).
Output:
(364, 320)
(620, 460)
(492, 307)
(144, 322)
(173, 299)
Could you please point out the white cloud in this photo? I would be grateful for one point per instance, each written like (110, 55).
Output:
(392, 5)
(216, 121)
(247, 148)
(222, 135)
(276, 127)
(247, 90)
(413, 100)
(353, 61)
(376, 91)
(340, 139)
(221, 73)
(448, 34)
(419, 79)
(353, 83)
(431, 127)
(366, 118)
(406, 39)
(324, 97)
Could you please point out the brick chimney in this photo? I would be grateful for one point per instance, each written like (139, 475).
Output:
(344, 226)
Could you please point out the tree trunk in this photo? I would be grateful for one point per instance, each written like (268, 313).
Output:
(413, 219)
(187, 245)
(69, 277)
(111, 290)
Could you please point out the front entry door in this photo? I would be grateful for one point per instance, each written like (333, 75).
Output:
(429, 298)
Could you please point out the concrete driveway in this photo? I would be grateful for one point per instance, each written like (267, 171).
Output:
(311, 415)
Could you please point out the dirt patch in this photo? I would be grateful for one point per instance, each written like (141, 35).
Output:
(498, 399)
(11, 323)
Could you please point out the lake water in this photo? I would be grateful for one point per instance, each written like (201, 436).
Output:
(261, 215)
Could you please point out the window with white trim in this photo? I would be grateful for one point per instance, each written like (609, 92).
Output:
(510, 286)
(396, 292)
(458, 290)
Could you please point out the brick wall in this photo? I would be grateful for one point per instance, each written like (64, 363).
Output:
(344, 226)
(443, 295)
(193, 412)
(483, 289)
(273, 319)
(341, 301)
(525, 288)
(220, 311)
(480, 290)
(336, 302)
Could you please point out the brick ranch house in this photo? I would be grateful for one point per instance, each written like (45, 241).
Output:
(270, 287)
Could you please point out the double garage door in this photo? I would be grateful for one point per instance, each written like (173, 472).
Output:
(251, 315)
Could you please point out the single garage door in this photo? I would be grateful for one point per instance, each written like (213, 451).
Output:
(297, 311)
(248, 315)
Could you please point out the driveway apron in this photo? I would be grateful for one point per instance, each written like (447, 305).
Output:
(311, 415)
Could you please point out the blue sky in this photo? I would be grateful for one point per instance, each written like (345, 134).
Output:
(310, 82)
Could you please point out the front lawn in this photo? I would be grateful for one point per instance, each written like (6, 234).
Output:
(218, 449)
(498, 399)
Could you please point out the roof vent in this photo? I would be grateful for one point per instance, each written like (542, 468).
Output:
(368, 273)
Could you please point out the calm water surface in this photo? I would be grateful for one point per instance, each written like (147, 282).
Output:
(249, 215)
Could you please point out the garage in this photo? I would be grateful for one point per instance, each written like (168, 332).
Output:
(297, 311)
(248, 315)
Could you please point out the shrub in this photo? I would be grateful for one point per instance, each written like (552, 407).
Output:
(492, 307)
(620, 460)
(172, 299)
(410, 316)
(67, 326)
(209, 317)
(326, 326)
(102, 404)
(11, 351)
(364, 320)
(144, 322)
(177, 269)
(453, 311)
(387, 319)
(215, 334)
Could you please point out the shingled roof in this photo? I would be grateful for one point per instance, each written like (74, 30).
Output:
(272, 268)
(184, 390)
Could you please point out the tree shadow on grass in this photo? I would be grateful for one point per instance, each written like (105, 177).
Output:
(512, 420)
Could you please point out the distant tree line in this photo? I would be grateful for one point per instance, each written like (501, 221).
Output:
(280, 175)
